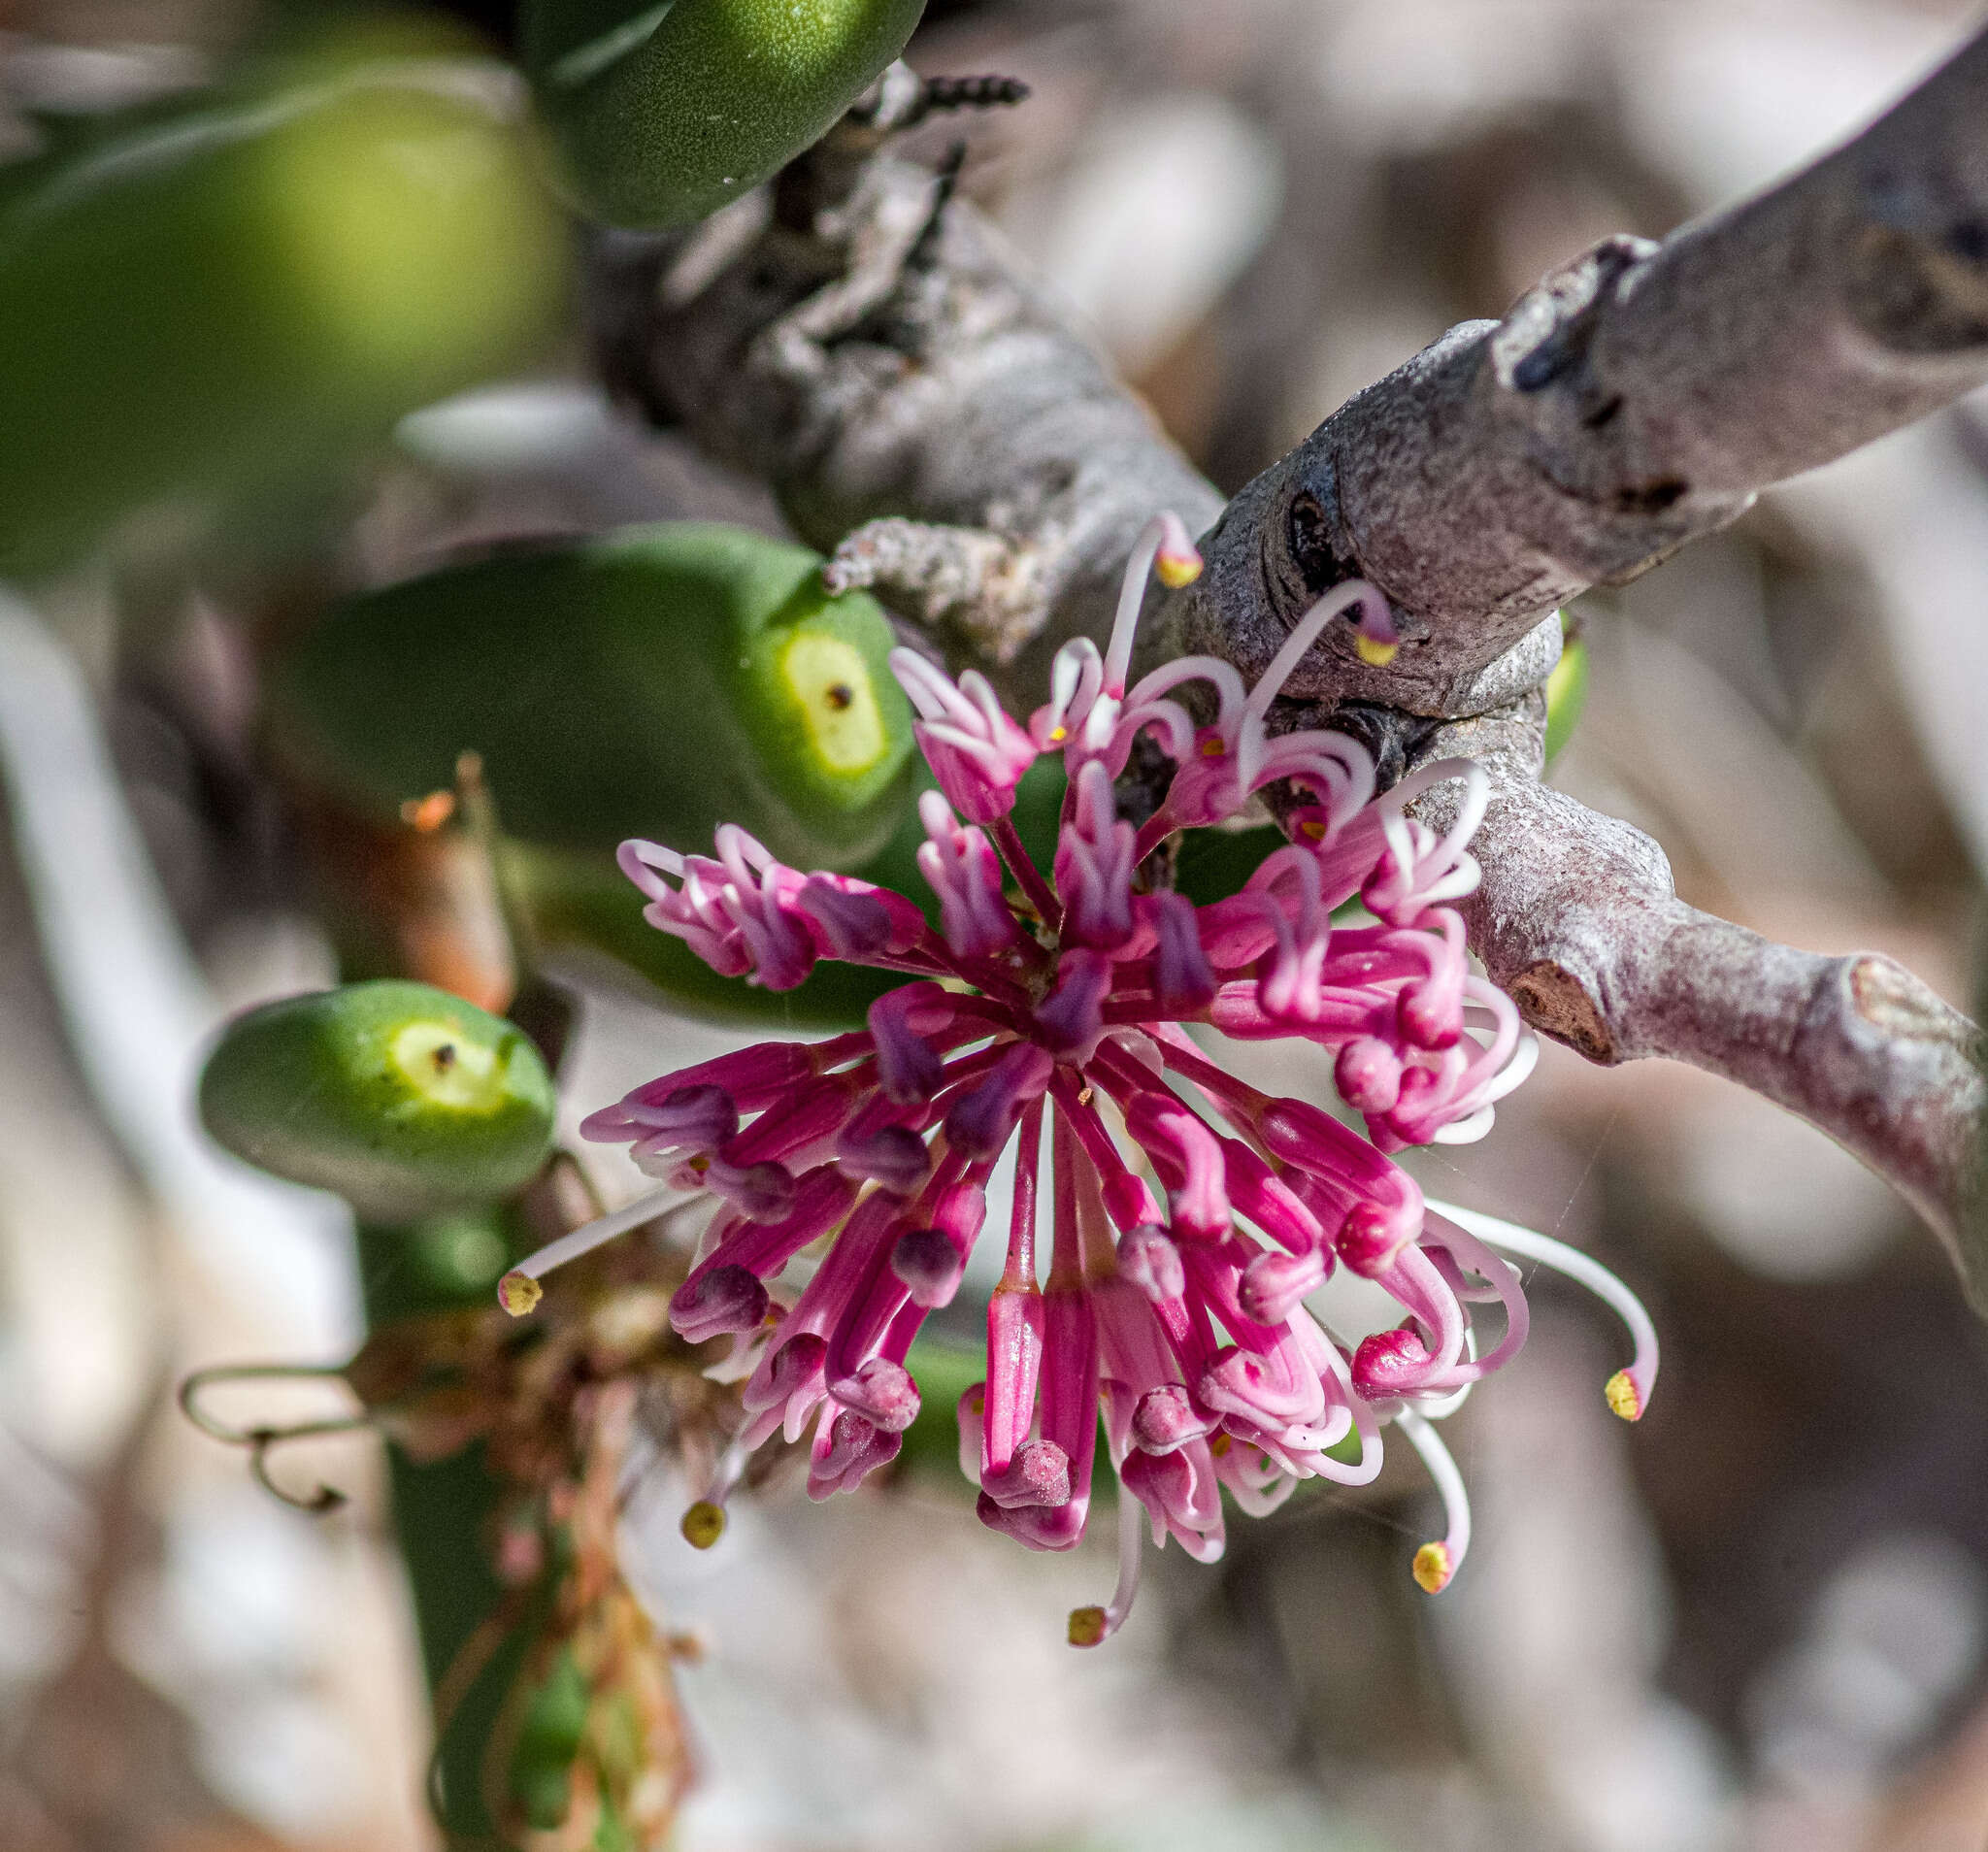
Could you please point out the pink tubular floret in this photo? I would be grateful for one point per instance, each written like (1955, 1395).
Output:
(1192, 1218)
(976, 751)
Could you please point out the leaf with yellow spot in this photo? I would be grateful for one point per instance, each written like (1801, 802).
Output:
(655, 681)
(403, 1099)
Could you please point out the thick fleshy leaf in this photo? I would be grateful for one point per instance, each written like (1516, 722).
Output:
(233, 295)
(1566, 694)
(665, 110)
(403, 1099)
(652, 682)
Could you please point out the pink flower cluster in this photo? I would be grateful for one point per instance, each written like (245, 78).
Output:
(1189, 1216)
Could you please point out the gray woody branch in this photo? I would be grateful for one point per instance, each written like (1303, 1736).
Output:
(866, 345)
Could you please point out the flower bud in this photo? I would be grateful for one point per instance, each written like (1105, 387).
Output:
(930, 1265)
(717, 1300)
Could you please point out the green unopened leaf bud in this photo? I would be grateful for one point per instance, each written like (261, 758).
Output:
(403, 1099)
(664, 112)
(252, 287)
(653, 683)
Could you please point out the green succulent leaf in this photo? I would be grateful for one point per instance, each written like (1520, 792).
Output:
(252, 287)
(1214, 864)
(667, 109)
(1567, 692)
(403, 1099)
(653, 683)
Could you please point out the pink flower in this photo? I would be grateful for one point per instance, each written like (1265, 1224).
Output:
(1190, 1215)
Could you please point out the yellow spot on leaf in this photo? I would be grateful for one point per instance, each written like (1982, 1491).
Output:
(831, 681)
(448, 1070)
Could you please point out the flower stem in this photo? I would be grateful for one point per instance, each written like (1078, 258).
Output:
(1022, 866)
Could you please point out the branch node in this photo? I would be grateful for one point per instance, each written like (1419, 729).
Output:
(1557, 1004)
(1898, 1006)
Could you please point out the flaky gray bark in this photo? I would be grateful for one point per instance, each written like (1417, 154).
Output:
(867, 346)
(881, 359)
